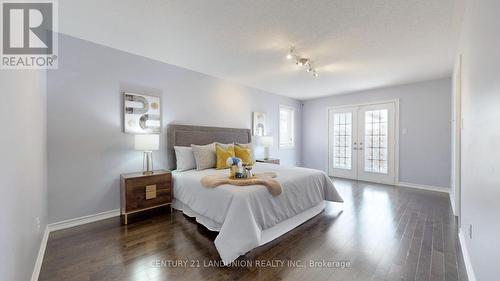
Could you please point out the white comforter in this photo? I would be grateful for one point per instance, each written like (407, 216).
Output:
(240, 214)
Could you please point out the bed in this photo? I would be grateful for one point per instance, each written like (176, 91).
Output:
(248, 216)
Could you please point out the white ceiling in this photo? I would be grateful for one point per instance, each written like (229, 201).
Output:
(355, 44)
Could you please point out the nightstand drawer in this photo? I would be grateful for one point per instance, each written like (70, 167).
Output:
(154, 179)
(136, 197)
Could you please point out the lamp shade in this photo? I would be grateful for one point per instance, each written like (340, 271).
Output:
(147, 142)
(265, 141)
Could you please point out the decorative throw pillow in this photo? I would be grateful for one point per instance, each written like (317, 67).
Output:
(204, 156)
(244, 153)
(224, 145)
(247, 146)
(223, 152)
(185, 158)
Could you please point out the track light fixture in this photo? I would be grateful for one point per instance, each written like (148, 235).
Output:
(300, 61)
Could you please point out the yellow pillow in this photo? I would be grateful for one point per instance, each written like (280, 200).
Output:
(222, 154)
(244, 153)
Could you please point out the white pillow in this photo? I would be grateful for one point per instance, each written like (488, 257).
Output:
(204, 156)
(185, 158)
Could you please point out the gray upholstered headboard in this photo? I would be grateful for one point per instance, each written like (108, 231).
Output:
(185, 135)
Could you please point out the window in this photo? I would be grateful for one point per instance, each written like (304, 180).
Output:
(342, 140)
(287, 124)
(376, 133)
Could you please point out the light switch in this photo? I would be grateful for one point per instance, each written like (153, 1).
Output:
(405, 131)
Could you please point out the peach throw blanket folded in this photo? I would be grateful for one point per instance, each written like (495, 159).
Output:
(265, 179)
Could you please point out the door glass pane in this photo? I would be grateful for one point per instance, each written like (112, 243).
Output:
(342, 140)
(376, 132)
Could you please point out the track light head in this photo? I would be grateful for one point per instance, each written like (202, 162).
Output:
(302, 61)
(291, 53)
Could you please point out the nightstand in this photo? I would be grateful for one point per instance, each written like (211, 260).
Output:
(269, 160)
(141, 192)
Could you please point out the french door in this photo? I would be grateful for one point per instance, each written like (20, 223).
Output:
(362, 142)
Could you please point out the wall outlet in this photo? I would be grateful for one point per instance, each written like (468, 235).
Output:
(470, 231)
(37, 221)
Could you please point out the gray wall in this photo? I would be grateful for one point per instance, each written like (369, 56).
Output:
(480, 196)
(424, 156)
(87, 149)
(23, 174)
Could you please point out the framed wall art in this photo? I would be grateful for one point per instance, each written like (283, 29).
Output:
(142, 114)
(259, 124)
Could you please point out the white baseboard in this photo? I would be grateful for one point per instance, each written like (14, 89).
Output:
(63, 225)
(424, 187)
(465, 253)
(83, 220)
(41, 253)
(452, 201)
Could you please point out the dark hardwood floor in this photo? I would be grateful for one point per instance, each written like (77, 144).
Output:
(379, 233)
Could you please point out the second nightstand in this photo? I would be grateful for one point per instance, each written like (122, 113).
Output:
(141, 192)
(269, 160)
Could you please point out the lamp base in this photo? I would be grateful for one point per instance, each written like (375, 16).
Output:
(147, 163)
(266, 153)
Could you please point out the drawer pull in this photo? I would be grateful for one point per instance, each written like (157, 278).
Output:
(150, 191)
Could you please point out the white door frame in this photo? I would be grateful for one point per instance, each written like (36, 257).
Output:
(396, 134)
(457, 120)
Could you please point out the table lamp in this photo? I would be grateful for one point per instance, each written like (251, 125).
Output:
(266, 142)
(146, 144)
